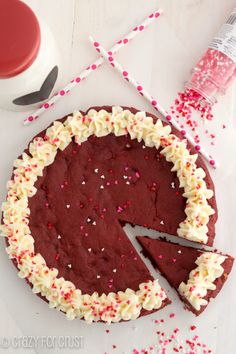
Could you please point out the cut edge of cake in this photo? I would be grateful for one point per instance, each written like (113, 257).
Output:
(200, 276)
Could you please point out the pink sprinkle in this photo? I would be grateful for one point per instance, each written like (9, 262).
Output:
(78, 79)
(125, 40)
(94, 66)
(135, 351)
(139, 88)
(62, 92)
(141, 28)
(125, 73)
(212, 162)
(57, 257)
(119, 209)
(110, 59)
(30, 118)
(172, 315)
(46, 105)
(96, 44)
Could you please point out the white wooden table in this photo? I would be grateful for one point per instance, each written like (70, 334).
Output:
(169, 49)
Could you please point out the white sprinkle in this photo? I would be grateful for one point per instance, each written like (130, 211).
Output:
(59, 237)
(114, 270)
(144, 147)
(83, 182)
(101, 187)
(102, 176)
(179, 251)
(98, 276)
(173, 185)
(94, 223)
(127, 182)
(96, 170)
(125, 177)
(68, 206)
(88, 220)
(162, 222)
(69, 266)
(102, 249)
(89, 249)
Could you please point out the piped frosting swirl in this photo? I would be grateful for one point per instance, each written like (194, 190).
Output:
(202, 278)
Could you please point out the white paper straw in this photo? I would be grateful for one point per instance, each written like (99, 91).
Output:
(91, 68)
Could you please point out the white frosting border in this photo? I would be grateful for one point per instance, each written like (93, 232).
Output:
(60, 293)
(202, 278)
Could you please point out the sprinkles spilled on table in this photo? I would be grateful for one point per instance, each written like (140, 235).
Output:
(168, 341)
(186, 106)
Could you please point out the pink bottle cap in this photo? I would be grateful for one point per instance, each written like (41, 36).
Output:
(19, 37)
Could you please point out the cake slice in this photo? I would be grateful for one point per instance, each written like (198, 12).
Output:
(196, 274)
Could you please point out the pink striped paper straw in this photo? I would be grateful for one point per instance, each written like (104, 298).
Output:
(108, 56)
(91, 68)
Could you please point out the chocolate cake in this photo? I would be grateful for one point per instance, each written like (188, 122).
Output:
(196, 274)
(75, 187)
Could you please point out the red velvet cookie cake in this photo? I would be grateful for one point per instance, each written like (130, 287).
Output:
(196, 274)
(73, 189)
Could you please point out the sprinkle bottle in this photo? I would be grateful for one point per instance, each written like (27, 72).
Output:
(215, 71)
